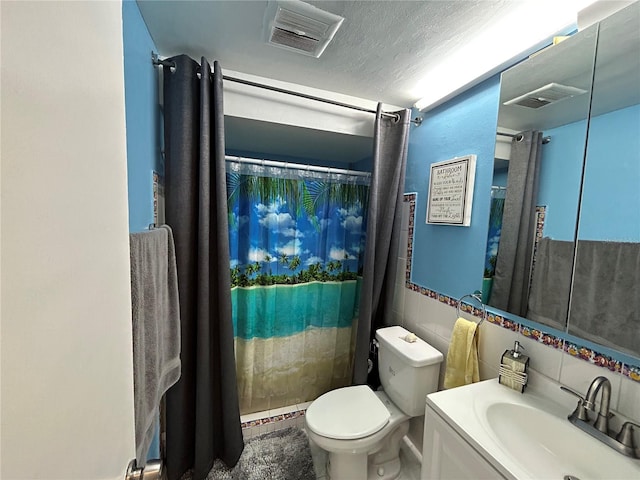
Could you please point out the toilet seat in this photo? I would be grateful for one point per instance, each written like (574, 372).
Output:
(347, 413)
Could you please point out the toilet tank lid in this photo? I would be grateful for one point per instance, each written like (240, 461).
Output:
(417, 354)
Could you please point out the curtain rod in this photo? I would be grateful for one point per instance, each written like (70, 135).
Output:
(165, 63)
(514, 135)
(313, 168)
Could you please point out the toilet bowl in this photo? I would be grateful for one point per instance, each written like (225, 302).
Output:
(353, 457)
(361, 429)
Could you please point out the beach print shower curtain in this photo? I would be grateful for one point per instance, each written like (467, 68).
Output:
(297, 243)
(495, 227)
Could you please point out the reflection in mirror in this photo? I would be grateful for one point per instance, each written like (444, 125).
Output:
(513, 267)
(605, 299)
(586, 262)
(547, 96)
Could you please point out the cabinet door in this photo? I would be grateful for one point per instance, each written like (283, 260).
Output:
(447, 456)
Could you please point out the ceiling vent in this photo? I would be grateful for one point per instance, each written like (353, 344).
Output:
(550, 93)
(300, 27)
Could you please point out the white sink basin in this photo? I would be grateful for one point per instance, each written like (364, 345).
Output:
(549, 444)
(527, 436)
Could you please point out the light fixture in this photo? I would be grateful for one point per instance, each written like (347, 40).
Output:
(528, 27)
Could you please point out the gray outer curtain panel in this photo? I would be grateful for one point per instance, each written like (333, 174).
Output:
(511, 283)
(202, 410)
(386, 192)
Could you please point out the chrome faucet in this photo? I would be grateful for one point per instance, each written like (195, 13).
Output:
(623, 441)
(602, 421)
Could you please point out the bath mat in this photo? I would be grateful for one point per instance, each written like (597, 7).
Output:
(279, 455)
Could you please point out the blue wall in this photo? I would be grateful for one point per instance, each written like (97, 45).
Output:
(450, 259)
(611, 196)
(142, 116)
(560, 173)
(611, 192)
(143, 127)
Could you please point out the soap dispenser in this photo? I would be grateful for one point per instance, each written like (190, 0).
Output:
(514, 366)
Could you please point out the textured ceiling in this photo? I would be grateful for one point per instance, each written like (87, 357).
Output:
(381, 52)
(387, 51)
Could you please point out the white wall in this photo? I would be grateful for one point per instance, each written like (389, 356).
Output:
(280, 125)
(266, 106)
(67, 387)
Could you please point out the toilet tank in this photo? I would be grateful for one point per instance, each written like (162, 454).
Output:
(408, 371)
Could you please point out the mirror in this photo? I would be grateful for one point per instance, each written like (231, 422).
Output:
(601, 204)
(566, 66)
(605, 303)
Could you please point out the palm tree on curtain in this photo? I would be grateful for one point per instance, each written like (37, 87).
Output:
(284, 259)
(294, 263)
(317, 193)
(250, 269)
(264, 189)
(495, 224)
(495, 215)
(333, 265)
(235, 275)
(301, 196)
(267, 261)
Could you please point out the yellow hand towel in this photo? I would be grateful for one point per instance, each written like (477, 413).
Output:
(462, 357)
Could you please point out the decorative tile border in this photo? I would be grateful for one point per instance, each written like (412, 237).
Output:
(541, 213)
(273, 419)
(158, 197)
(156, 188)
(542, 337)
(633, 372)
(592, 356)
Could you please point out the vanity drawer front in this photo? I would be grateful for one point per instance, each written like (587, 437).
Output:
(447, 456)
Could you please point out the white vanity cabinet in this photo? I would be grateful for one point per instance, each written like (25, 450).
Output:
(488, 431)
(448, 456)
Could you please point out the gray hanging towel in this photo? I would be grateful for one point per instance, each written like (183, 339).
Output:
(604, 297)
(156, 328)
(604, 304)
(551, 283)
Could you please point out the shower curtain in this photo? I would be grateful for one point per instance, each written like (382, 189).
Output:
(202, 414)
(390, 143)
(297, 241)
(495, 228)
(493, 240)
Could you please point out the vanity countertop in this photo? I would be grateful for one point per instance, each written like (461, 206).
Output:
(527, 436)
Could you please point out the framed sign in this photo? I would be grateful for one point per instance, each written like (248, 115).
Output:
(451, 191)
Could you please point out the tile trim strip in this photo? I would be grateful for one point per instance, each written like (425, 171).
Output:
(273, 419)
(570, 348)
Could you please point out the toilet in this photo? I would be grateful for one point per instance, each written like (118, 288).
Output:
(361, 429)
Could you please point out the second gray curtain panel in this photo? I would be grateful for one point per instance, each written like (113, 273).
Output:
(512, 279)
(391, 137)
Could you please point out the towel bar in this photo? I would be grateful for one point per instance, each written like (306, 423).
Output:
(476, 296)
